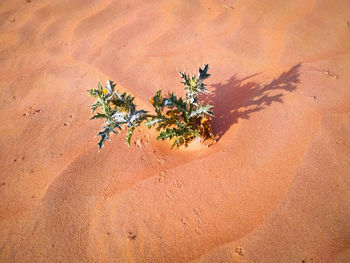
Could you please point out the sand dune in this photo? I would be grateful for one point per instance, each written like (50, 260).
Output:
(274, 188)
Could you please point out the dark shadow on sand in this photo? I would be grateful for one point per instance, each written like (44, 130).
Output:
(237, 99)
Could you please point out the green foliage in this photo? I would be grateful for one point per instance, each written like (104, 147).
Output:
(177, 119)
(117, 109)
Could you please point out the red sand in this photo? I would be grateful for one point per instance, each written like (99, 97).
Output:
(274, 188)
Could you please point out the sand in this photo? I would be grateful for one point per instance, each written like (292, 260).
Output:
(274, 188)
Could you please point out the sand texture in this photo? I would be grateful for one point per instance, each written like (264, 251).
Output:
(274, 188)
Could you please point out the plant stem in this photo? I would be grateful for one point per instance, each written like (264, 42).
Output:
(156, 116)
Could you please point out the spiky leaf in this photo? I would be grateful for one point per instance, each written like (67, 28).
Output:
(104, 136)
(129, 135)
(201, 111)
(95, 106)
(203, 72)
(119, 117)
(110, 87)
(99, 116)
(136, 117)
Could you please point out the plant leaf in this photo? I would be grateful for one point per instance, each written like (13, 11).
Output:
(99, 116)
(95, 106)
(129, 135)
(94, 93)
(136, 118)
(157, 102)
(201, 110)
(104, 136)
(173, 101)
(153, 121)
(119, 117)
(168, 133)
(110, 87)
(202, 73)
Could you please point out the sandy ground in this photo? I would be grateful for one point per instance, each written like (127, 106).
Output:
(274, 188)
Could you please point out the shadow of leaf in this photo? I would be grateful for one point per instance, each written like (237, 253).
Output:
(238, 99)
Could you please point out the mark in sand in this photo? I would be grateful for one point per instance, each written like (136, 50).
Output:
(197, 211)
(228, 7)
(339, 142)
(161, 161)
(162, 174)
(179, 184)
(328, 73)
(198, 230)
(31, 112)
(131, 236)
(170, 195)
(22, 158)
(240, 251)
(161, 178)
(138, 143)
(184, 221)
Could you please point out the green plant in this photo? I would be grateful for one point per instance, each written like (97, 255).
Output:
(177, 119)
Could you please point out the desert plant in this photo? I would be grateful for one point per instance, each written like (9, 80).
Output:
(180, 120)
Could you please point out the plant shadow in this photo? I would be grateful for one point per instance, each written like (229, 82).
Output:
(237, 99)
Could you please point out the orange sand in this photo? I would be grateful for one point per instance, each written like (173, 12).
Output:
(276, 186)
